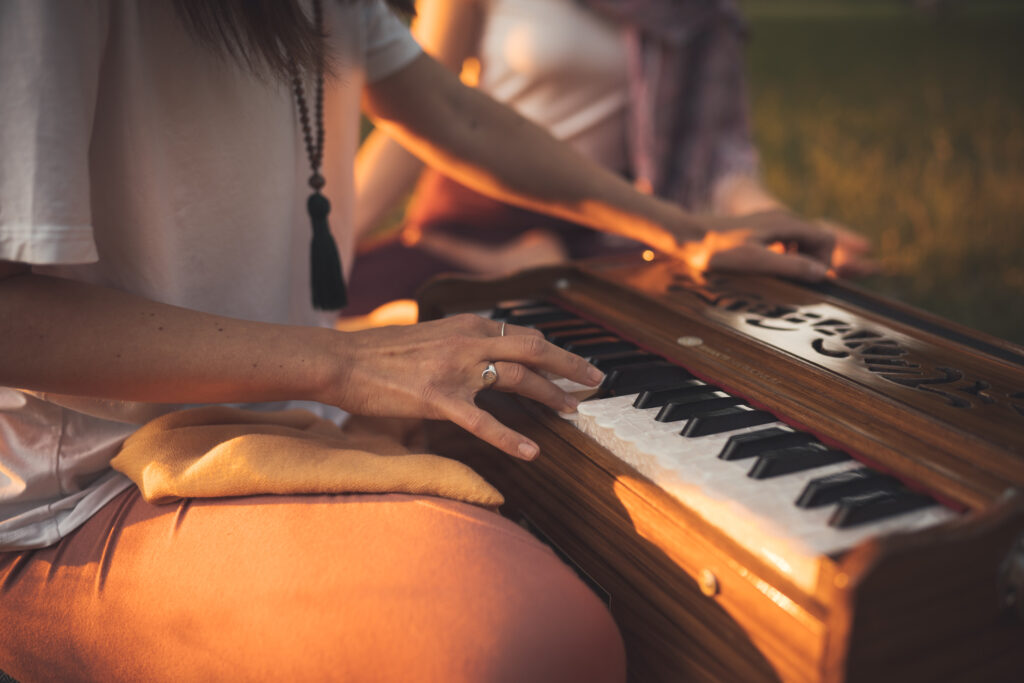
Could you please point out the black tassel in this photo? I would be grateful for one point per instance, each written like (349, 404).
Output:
(325, 265)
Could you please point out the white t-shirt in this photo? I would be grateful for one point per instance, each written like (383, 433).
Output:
(563, 67)
(132, 158)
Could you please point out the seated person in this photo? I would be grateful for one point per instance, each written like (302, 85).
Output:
(652, 90)
(161, 165)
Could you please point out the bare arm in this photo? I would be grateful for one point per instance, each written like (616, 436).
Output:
(738, 195)
(76, 339)
(71, 338)
(492, 149)
(385, 172)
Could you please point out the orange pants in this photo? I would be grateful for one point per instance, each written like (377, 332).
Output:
(305, 588)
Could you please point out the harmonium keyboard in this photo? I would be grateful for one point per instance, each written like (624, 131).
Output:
(776, 481)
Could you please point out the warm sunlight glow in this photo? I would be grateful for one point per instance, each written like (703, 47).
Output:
(648, 255)
(470, 72)
(411, 236)
(398, 312)
(696, 255)
(732, 579)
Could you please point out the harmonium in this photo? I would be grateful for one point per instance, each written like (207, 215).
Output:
(776, 481)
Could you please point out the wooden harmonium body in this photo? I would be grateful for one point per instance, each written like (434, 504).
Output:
(777, 481)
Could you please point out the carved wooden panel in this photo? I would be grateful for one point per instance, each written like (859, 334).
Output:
(935, 376)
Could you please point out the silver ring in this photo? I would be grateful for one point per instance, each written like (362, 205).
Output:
(489, 375)
(502, 329)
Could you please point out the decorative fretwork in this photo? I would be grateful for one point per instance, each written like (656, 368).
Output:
(850, 341)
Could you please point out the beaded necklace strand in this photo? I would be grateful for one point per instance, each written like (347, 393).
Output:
(328, 284)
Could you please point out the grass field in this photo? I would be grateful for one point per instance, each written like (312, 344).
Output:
(908, 126)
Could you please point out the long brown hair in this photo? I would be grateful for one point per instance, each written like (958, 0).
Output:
(265, 36)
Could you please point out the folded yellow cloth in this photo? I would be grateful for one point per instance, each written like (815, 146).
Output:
(218, 452)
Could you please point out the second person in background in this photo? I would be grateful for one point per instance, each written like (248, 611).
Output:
(652, 89)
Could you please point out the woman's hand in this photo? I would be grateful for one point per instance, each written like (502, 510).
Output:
(850, 258)
(773, 242)
(435, 369)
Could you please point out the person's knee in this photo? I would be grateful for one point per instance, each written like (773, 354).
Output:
(562, 634)
(586, 648)
(437, 591)
(502, 609)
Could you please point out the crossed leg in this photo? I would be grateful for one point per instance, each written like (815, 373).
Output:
(307, 588)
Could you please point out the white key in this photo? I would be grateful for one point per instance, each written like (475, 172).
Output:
(760, 514)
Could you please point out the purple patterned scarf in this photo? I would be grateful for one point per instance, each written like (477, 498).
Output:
(688, 115)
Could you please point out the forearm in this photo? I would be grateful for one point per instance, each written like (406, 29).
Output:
(497, 152)
(384, 174)
(740, 194)
(58, 336)
(71, 338)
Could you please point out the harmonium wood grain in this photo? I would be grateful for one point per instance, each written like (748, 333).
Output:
(775, 481)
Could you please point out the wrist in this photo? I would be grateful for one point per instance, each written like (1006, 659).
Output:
(330, 366)
(741, 195)
(681, 226)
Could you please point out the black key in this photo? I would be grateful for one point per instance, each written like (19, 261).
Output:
(740, 446)
(652, 398)
(591, 347)
(563, 337)
(562, 325)
(630, 379)
(871, 507)
(725, 420)
(606, 362)
(794, 459)
(503, 308)
(828, 490)
(536, 314)
(688, 406)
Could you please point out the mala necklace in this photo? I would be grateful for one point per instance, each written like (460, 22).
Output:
(325, 265)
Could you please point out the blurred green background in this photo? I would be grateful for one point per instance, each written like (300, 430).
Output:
(905, 121)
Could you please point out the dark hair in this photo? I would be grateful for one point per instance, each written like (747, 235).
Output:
(265, 36)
